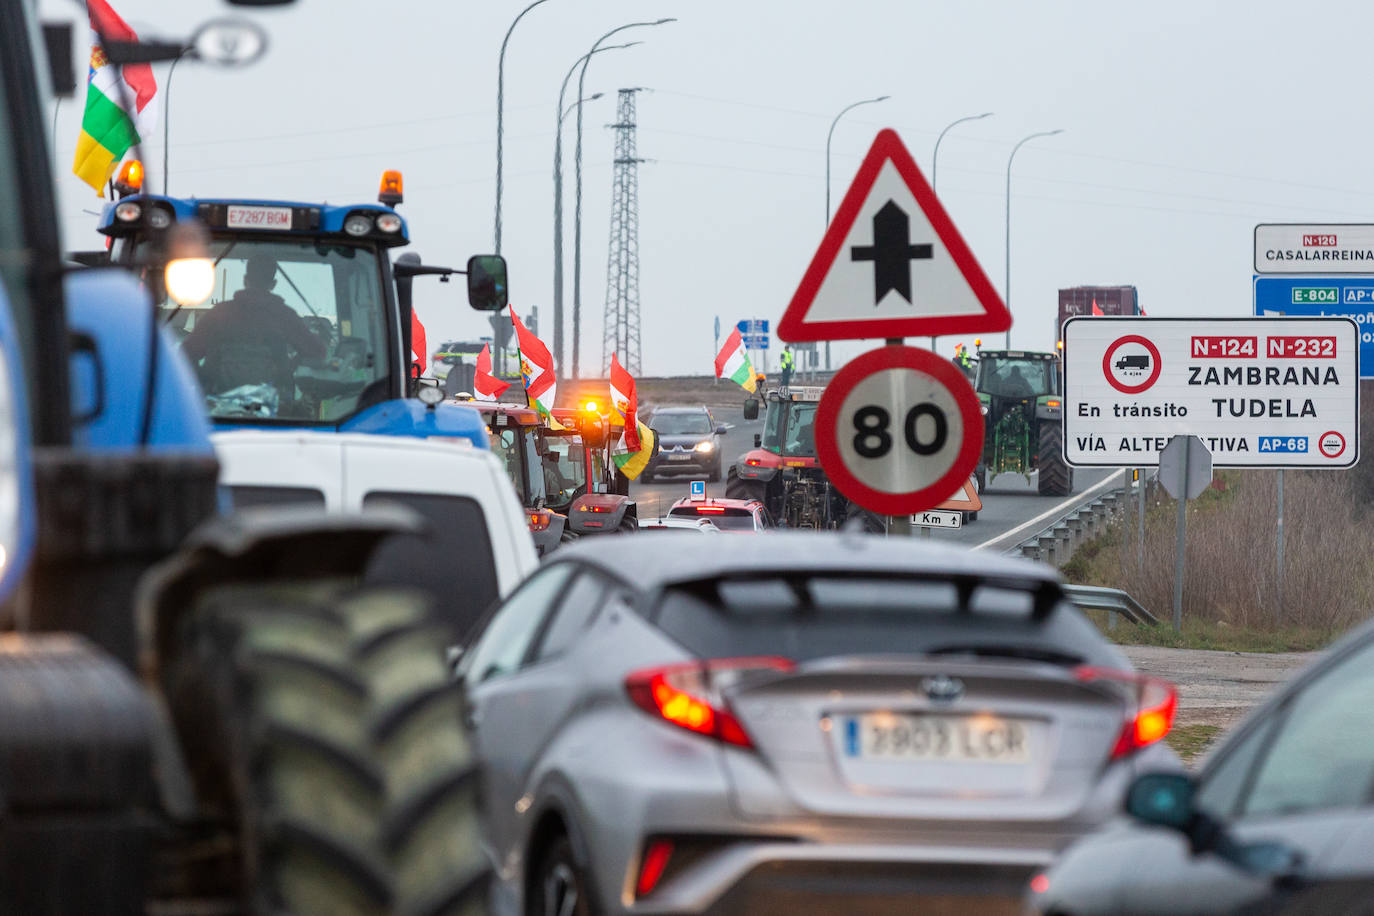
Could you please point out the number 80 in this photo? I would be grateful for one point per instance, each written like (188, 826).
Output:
(872, 439)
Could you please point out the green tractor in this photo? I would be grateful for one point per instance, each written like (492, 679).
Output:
(1022, 407)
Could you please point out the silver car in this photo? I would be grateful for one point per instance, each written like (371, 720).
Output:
(794, 723)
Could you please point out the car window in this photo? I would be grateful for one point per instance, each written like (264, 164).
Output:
(1322, 755)
(246, 496)
(583, 599)
(1222, 784)
(452, 559)
(504, 643)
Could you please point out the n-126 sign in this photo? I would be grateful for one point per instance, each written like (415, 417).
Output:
(1258, 392)
(899, 430)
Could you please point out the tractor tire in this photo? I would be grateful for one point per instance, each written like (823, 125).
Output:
(980, 477)
(1055, 477)
(743, 489)
(322, 722)
(714, 476)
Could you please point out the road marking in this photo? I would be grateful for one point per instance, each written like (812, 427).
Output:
(1058, 508)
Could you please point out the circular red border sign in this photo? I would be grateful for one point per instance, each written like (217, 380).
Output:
(827, 417)
(1322, 448)
(1107, 364)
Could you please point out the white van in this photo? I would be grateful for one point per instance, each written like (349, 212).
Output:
(478, 547)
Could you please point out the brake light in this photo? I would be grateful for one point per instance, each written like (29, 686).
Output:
(688, 694)
(596, 508)
(540, 519)
(651, 867)
(714, 510)
(753, 462)
(1149, 715)
(1052, 403)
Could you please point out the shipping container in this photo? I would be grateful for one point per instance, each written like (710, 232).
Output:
(1110, 300)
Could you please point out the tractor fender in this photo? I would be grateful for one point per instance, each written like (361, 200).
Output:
(598, 513)
(257, 545)
(764, 468)
(1048, 413)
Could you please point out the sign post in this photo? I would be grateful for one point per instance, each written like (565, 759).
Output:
(898, 430)
(1185, 470)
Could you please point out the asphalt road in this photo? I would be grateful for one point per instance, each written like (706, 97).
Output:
(1008, 503)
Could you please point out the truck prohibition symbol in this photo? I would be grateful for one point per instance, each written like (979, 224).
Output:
(1135, 361)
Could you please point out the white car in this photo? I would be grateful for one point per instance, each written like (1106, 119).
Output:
(478, 547)
(678, 523)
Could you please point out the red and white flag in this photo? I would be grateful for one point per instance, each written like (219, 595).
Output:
(625, 401)
(536, 367)
(419, 348)
(486, 387)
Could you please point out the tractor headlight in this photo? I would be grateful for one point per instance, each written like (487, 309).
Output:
(159, 218)
(983, 409)
(358, 225)
(128, 212)
(706, 447)
(389, 222)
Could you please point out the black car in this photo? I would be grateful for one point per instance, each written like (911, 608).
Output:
(1279, 820)
(689, 441)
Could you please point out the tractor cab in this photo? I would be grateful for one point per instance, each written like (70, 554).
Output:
(545, 480)
(582, 440)
(292, 313)
(1022, 404)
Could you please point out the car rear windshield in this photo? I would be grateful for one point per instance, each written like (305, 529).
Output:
(818, 617)
(452, 560)
(681, 424)
(727, 518)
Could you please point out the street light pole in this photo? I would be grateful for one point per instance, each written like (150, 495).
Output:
(577, 206)
(935, 165)
(1006, 289)
(558, 213)
(500, 111)
(828, 137)
(167, 121)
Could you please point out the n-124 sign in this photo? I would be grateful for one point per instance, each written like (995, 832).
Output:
(1258, 392)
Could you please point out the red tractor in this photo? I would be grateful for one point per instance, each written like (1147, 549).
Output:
(519, 438)
(782, 470)
(601, 502)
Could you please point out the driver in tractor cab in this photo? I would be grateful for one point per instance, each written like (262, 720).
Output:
(1016, 385)
(250, 338)
(801, 437)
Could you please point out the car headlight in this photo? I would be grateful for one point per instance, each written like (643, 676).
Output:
(706, 447)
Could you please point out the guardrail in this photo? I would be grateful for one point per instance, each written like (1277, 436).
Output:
(1112, 600)
(1055, 544)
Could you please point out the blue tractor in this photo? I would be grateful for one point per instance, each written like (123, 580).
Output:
(299, 317)
(203, 713)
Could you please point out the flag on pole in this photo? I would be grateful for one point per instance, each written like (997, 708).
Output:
(418, 346)
(732, 362)
(1097, 309)
(536, 367)
(632, 451)
(119, 102)
(486, 387)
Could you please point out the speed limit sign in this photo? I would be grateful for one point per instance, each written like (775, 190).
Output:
(898, 430)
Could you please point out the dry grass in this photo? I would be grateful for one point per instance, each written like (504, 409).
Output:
(1232, 575)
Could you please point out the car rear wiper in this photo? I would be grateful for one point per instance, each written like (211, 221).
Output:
(1027, 653)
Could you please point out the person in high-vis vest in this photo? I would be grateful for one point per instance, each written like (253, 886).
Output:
(786, 363)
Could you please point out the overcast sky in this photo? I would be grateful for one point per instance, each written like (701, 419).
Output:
(1186, 122)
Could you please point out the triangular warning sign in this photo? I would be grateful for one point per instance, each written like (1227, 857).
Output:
(966, 500)
(891, 263)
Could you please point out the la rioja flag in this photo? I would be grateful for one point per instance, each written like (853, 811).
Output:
(536, 367)
(732, 362)
(632, 452)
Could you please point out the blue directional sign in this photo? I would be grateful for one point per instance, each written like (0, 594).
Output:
(1315, 297)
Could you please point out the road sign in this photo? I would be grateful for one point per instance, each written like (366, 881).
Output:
(898, 429)
(755, 341)
(933, 518)
(966, 500)
(1315, 297)
(698, 490)
(753, 326)
(1259, 392)
(1185, 467)
(891, 264)
(1304, 248)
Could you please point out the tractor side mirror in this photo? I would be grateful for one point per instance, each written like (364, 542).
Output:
(751, 409)
(758, 441)
(720, 430)
(61, 64)
(487, 289)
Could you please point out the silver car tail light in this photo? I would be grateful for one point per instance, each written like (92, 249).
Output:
(688, 694)
(1150, 708)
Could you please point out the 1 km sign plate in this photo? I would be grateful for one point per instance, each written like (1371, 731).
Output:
(1258, 392)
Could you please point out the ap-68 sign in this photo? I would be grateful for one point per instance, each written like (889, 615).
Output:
(899, 430)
